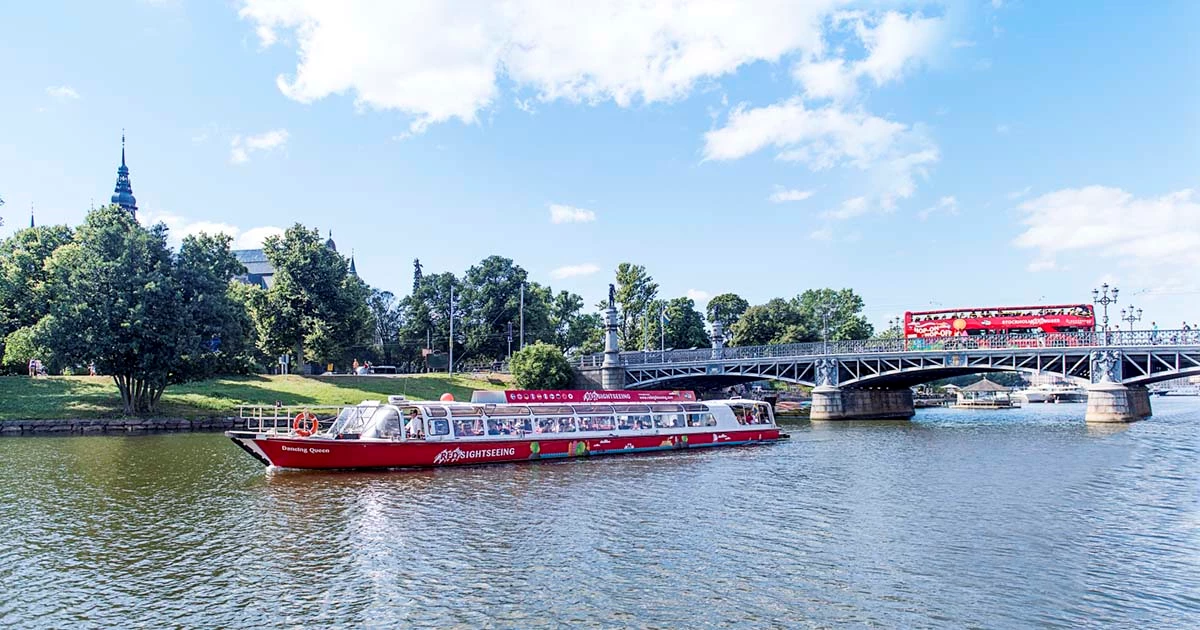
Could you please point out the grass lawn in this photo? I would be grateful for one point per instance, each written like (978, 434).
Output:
(22, 398)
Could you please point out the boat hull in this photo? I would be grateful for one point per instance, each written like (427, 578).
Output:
(327, 454)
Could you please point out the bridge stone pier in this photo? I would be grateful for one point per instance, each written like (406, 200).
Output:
(833, 403)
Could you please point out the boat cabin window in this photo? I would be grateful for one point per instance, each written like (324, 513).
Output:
(385, 424)
(507, 410)
(552, 411)
(705, 419)
(554, 425)
(509, 426)
(437, 426)
(352, 420)
(597, 423)
(435, 412)
(593, 409)
(634, 422)
(665, 408)
(756, 413)
(466, 411)
(468, 427)
(670, 420)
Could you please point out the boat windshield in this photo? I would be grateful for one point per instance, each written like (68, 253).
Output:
(352, 420)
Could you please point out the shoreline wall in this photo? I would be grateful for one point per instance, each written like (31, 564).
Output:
(108, 426)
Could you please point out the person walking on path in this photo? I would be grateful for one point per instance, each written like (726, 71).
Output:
(32, 368)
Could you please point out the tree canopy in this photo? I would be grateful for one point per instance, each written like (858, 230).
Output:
(120, 299)
(541, 366)
(800, 319)
(315, 306)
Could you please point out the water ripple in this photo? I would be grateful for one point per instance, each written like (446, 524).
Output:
(953, 520)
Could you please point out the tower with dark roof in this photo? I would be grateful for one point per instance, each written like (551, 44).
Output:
(123, 193)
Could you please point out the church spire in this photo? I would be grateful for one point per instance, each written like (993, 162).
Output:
(30, 214)
(123, 193)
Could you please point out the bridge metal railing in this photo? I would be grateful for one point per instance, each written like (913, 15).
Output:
(1090, 339)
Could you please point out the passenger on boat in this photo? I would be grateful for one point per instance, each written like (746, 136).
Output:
(413, 424)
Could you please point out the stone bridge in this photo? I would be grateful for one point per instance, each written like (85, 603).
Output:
(871, 378)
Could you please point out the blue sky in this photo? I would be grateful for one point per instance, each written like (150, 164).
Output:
(953, 154)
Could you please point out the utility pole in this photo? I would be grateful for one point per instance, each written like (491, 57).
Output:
(450, 368)
(510, 341)
(522, 344)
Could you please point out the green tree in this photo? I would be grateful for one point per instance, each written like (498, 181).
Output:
(491, 295)
(726, 309)
(683, 328)
(219, 324)
(119, 297)
(315, 306)
(636, 291)
(775, 322)
(846, 320)
(20, 346)
(541, 366)
(23, 275)
(572, 328)
(388, 318)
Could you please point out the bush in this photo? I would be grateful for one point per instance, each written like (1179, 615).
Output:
(19, 347)
(541, 366)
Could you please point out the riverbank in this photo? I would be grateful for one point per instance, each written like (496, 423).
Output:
(82, 404)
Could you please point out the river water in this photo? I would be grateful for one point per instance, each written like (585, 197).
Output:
(957, 519)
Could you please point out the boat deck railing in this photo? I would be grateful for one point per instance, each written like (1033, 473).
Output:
(279, 419)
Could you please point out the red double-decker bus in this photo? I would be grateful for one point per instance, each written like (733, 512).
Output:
(1056, 320)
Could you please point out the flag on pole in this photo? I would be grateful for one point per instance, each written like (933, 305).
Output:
(665, 319)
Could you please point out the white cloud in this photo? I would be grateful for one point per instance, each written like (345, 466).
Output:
(893, 154)
(525, 105)
(180, 227)
(947, 205)
(1002, 129)
(898, 42)
(831, 78)
(1017, 194)
(560, 213)
(822, 234)
(254, 237)
(782, 195)
(698, 296)
(850, 208)
(1098, 222)
(62, 93)
(444, 60)
(821, 138)
(572, 271)
(962, 43)
(242, 146)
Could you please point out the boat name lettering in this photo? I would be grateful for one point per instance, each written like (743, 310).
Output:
(449, 456)
(303, 449)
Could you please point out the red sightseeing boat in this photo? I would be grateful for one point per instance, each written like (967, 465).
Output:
(499, 427)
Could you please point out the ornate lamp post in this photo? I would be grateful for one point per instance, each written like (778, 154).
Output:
(1100, 296)
(824, 311)
(1131, 315)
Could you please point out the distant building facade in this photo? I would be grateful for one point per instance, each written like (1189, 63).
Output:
(260, 272)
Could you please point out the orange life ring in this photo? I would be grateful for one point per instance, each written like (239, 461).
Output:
(305, 424)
